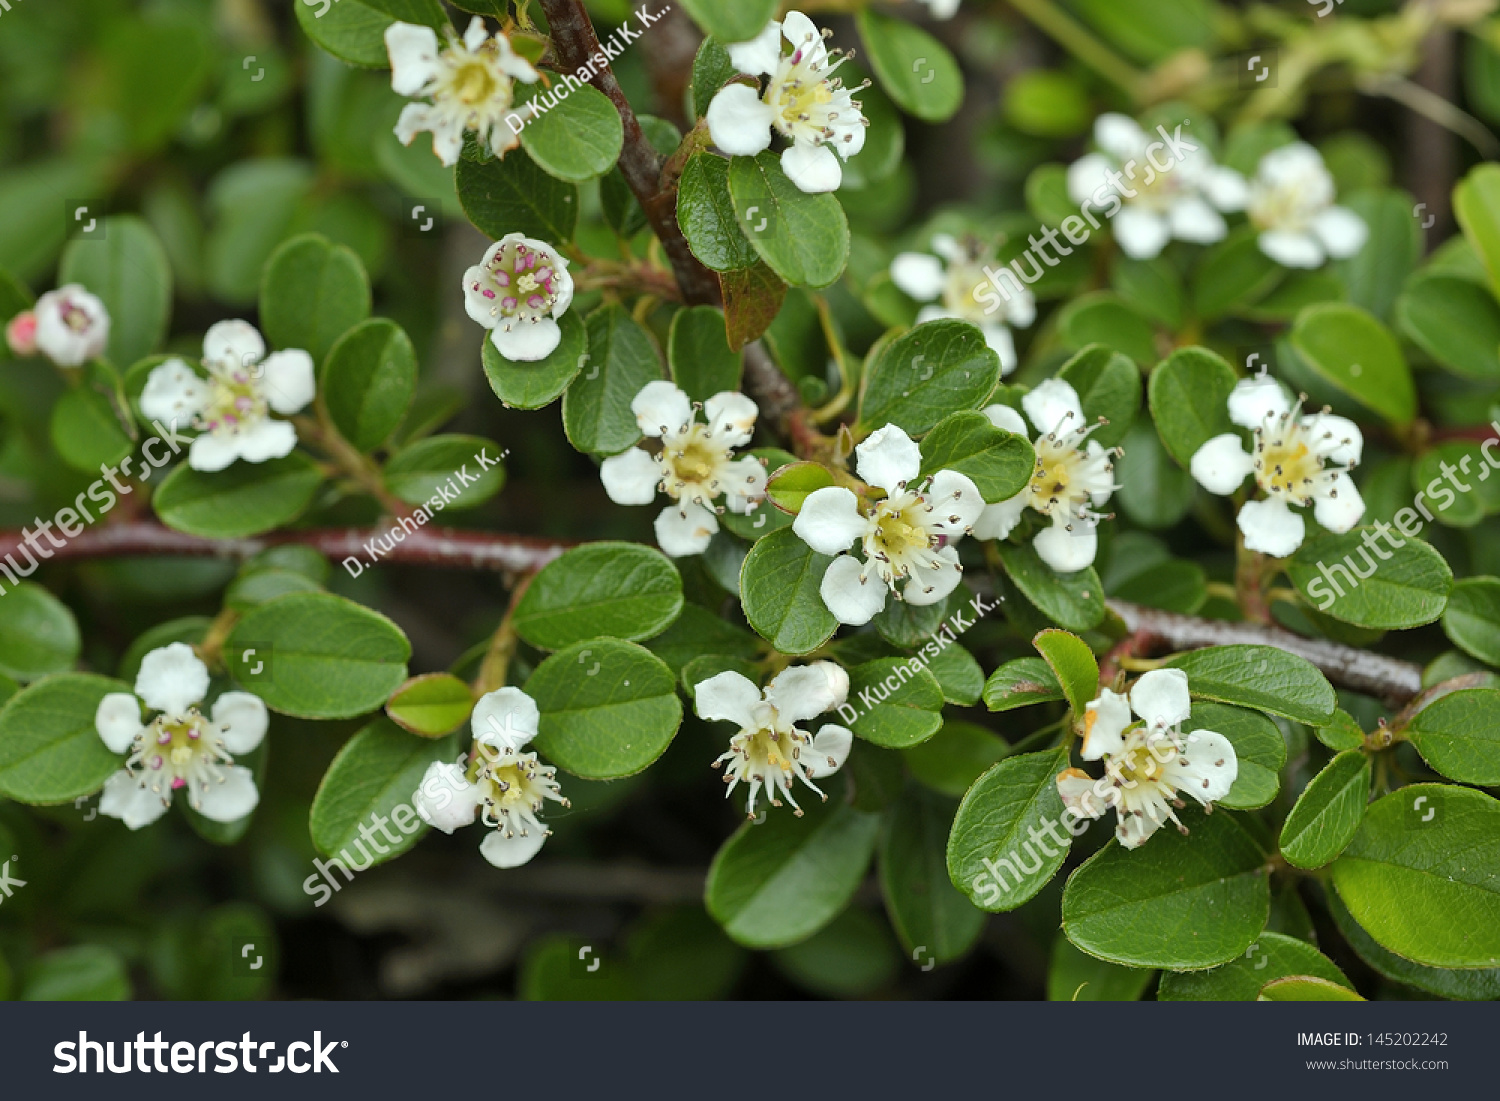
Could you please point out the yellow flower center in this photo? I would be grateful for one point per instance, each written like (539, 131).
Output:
(472, 82)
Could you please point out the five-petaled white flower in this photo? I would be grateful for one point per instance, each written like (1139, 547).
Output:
(1291, 203)
(517, 292)
(68, 325)
(1288, 460)
(695, 466)
(770, 750)
(1148, 762)
(1180, 197)
(232, 407)
(471, 83)
(950, 284)
(803, 101)
(909, 533)
(506, 787)
(1074, 477)
(179, 748)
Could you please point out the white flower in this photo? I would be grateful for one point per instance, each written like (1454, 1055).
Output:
(1074, 477)
(695, 466)
(953, 281)
(942, 9)
(770, 750)
(506, 787)
(908, 534)
(517, 292)
(1147, 763)
(179, 748)
(232, 407)
(1291, 203)
(803, 101)
(1183, 201)
(1296, 460)
(69, 326)
(471, 84)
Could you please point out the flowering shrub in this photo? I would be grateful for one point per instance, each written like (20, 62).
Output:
(1042, 417)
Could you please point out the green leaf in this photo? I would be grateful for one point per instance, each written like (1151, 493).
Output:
(1074, 601)
(1472, 618)
(1342, 733)
(899, 702)
(1422, 875)
(752, 298)
(731, 21)
(253, 202)
(998, 832)
(1260, 677)
(87, 428)
(914, 68)
(706, 214)
(998, 462)
(1482, 984)
(1150, 287)
(788, 487)
(38, 634)
(804, 238)
(853, 956)
(958, 674)
(1021, 682)
(1328, 812)
(85, 973)
(1073, 664)
(762, 519)
(578, 139)
(712, 69)
(246, 499)
(953, 758)
(618, 590)
(1306, 988)
(1189, 396)
(1151, 30)
(679, 954)
(318, 656)
(779, 587)
(697, 632)
(1476, 204)
(1459, 736)
(779, 881)
(415, 472)
(1178, 902)
(374, 777)
(609, 708)
(258, 586)
(1454, 321)
(311, 292)
(514, 195)
(1259, 750)
(354, 30)
(1102, 318)
(537, 384)
(1075, 976)
(127, 268)
(431, 705)
(369, 380)
(1173, 585)
(1233, 275)
(1375, 273)
(1463, 509)
(925, 374)
(50, 750)
(933, 920)
(1108, 386)
(622, 360)
(698, 351)
(1356, 353)
(1402, 587)
(1272, 956)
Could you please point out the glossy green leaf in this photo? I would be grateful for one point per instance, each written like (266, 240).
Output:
(1472, 618)
(512, 194)
(540, 383)
(1328, 811)
(999, 852)
(622, 360)
(779, 585)
(38, 634)
(1349, 348)
(466, 465)
(998, 462)
(1272, 956)
(914, 68)
(803, 237)
(127, 268)
(1406, 586)
(1459, 735)
(579, 138)
(698, 352)
(618, 590)
(1189, 395)
(1073, 664)
(312, 291)
(899, 702)
(369, 380)
(933, 919)
(1260, 677)
(1021, 682)
(246, 499)
(1074, 601)
(431, 705)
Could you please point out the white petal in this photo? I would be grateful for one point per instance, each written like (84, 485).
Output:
(446, 799)
(242, 721)
(813, 168)
(475, 35)
(931, 586)
(727, 696)
(746, 479)
(761, 55)
(1076, 788)
(1020, 310)
(1003, 416)
(738, 122)
(413, 52)
(829, 520)
(731, 417)
(1194, 220)
(234, 342)
(507, 718)
(802, 692)
(999, 340)
(955, 501)
(173, 393)
(1340, 513)
(1297, 164)
(1141, 233)
(1342, 231)
(448, 136)
(1161, 698)
(57, 339)
(828, 752)
(1271, 528)
(1225, 188)
(661, 409)
(1136, 829)
(852, 601)
(289, 382)
(268, 439)
(512, 852)
(803, 34)
(1067, 551)
(1119, 135)
(889, 458)
(527, 341)
(919, 275)
(683, 530)
(118, 720)
(947, 246)
(631, 477)
(210, 453)
(1339, 439)
(1210, 767)
(1291, 250)
(1086, 175)
(231, 799)
(1221, 464)
(1254, 400)
(126, 799)
(936, 312)
(1104, 723)
(999, 520)
(1054, 407)
(172, 679)
(414, 118)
